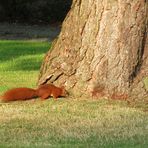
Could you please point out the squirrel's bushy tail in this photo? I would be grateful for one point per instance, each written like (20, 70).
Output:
(16, 94)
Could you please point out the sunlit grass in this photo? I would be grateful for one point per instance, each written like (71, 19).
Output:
(67, 122)
(20, 62)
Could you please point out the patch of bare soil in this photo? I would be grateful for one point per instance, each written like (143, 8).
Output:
(28, 32)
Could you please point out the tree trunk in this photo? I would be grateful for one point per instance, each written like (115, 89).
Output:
(100, 50)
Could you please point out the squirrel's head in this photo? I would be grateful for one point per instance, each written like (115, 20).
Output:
(64, 92)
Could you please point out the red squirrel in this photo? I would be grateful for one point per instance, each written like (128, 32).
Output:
(43, 91)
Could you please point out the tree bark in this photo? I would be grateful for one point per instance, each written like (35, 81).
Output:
(101, 49)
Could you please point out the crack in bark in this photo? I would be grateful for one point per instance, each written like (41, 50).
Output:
(53, 77)
(46, 80)
(140, 53)
(87, 18)
(80, 2)
(100, 19)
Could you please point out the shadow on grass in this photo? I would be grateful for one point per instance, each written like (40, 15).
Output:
(22, 55)
(13, 49)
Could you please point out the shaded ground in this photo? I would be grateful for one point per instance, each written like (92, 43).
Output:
(25, 32)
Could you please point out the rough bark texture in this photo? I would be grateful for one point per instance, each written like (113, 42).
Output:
(101, 49)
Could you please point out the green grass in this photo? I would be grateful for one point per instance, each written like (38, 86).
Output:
(20, 62)
(64, 123)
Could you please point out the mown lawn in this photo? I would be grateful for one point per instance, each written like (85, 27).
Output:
(64, 123)
(20, 62)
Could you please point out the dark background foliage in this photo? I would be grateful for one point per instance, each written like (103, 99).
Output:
(34, 11)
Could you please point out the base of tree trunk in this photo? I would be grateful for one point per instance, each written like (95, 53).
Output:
(101, 51)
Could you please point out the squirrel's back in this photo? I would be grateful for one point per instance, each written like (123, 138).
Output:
(19, 94)
(47, 90)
